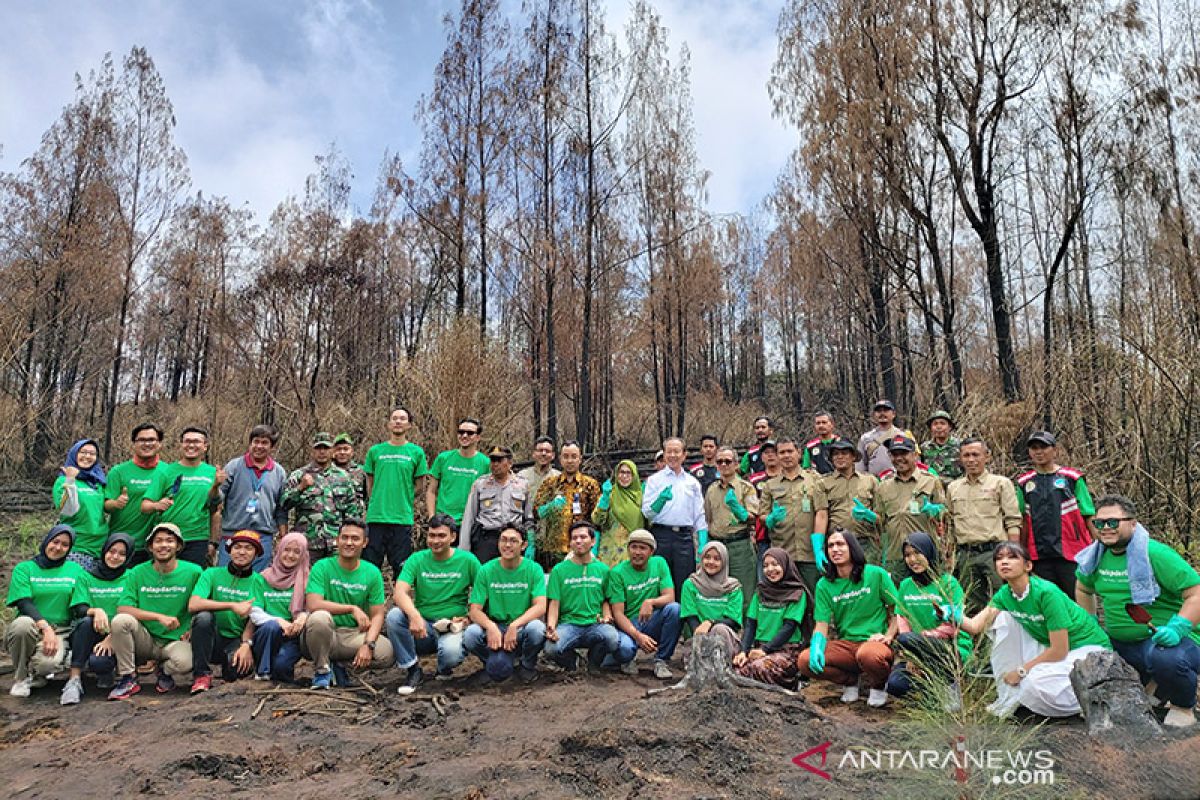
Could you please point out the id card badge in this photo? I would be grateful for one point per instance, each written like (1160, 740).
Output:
(252, 505)
(806, 505)
(914, 506)
(576, 506)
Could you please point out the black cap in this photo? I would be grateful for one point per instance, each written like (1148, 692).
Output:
(1042, 437)
(842, 443)
(500, 452)
(768, 443)
(888, 404)
(901, 443)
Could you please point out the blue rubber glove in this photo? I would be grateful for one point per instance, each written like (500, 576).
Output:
(605, 496)
(554, 505)
(529, 547)
(950, 612)
(663, 498)
(862, 513)
(818, 543)
(932, 510)
(735, 507)
(777, 515)
(1173, 632)
(816, 653)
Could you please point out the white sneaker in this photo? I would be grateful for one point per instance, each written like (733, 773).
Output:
(662, 671)
(877, 699)
(630, 667)
(21, 688)
(1179, 717)
(850, 694)
(72, 692)
(953, 699)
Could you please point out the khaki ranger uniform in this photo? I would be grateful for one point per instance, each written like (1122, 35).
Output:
(982, 512)
(841, 493)
(535, 478)
(898, 503)
(803, 497)
(738, 537)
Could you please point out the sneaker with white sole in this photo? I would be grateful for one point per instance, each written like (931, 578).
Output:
(850, 694)
(662, 671)
(21, 688)
(1179, 717)
(414, 679)
(877, 698)
(72, 692)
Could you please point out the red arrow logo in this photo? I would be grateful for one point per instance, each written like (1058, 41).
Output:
(823, 749)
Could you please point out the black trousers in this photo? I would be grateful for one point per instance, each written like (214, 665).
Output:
(393, 542)
(676, 546)
(1059, 571)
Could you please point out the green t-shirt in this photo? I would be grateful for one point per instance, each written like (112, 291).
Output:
(918, 604)
(769, 618)
(105, 595)
(362, 587)
(1046, 608)
(276, 602)
(710, 609)
(1111, 582)
(393, 468)
(53, 591)
(631, 587)
(440, 588)
(91, 527)
(579, 590)
(136, 481)
(190, 507)
(146, 588)
(221, 585)
(506, 594)
(859, 610)
(455, 475)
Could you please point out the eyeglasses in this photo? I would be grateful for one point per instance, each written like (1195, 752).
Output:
(1112, 523)
(146, 441)
(192, 441)
(724, 460)
(464, 432)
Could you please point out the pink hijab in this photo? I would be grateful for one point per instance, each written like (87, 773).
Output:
(278, 576)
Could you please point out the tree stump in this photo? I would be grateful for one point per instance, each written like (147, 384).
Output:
(710, 666)
(1111, 697)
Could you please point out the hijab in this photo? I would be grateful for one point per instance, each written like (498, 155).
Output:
(717, 585)
(93, 475)
(923, 544)
(101, 569)
(44, 561)
(627, 503)
(789, 588)
(295, 578)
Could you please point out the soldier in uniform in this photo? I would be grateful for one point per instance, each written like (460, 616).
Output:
(851, 496)
(940, 451)
(343, 457)
(497, 501)
(908, 500)
(320, 495)
(816, 450)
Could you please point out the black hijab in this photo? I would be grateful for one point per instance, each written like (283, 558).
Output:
(100, 567)
(44, 561)
(789, 588)
(923, 544)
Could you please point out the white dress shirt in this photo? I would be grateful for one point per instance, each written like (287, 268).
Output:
(686, 506)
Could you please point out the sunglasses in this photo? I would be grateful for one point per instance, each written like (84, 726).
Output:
(1112, 523)
(463, 432)
(724, 460)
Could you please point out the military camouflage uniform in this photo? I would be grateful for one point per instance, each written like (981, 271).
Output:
(355, 471)
(943, 458)
(319, 509)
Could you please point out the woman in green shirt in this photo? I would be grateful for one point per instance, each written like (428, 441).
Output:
(710, 602)
(771, 636)
(618, 513)
(79, 496)
(105, 581)
(1038, 633)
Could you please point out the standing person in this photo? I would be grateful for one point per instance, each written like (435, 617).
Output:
(562, 501)
(983, 512)
(642, 598)
(851, 496)
(908, 500)
(507, 603)
(731, 510)
(1123, 567)
(1055, 505)
(857, 598)
(674, 506)
(91, 642)
(153, 621)
(543, 465)
(454, 472)
(711, 601)
(940, 450)
(248, 491)
(220, 604)
(496, 501)
(79, 497)
(618, 512)
(395, 470)
(321, 494)
(129, 481)
(1037, 636)
(345, 602)
(771, 469)
(577, 614)
(873, 445)
(279, 610)
(706, 470)
(431, 604)
(772, 634)
(816, 450)
(47, 591)
(343, 457)
(179, 494)
(797, 513)
(752, 461)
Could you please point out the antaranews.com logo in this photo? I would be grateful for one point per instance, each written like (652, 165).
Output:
(1007, 767)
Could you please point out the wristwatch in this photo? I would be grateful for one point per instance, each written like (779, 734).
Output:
(1021, 672)
(371, 646)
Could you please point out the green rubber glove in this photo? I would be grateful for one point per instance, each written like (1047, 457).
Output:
(816, 653)
(777, 515)
(605, 495)
(701, 540)
(818, 543)
(736, 508)
(529, 547)
(1173, 632)
(932, 510)
(663, 498)
(862, 513)
(554, 505)
(596, 546)
(950, 612)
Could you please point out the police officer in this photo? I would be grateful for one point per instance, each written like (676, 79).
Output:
(497, 501)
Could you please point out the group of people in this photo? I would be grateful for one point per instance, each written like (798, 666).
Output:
(870, 564)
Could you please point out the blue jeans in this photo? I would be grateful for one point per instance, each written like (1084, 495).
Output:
(274, 654)
(600, 638)
(662, 627)
(262, 562)
(1172, 668)
(448, 646)
(499, 663)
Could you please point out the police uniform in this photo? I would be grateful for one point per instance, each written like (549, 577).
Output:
(493, 506)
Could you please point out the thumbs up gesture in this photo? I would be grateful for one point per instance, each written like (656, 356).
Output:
(123, 498)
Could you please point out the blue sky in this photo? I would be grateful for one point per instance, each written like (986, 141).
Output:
(260, 88)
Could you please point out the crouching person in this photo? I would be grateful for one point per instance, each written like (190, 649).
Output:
(221, 603)
(91, 644)
(642, 597)
(346, 601)
(508, 602)
(577, 615)
(279, 610)
(152, 619)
